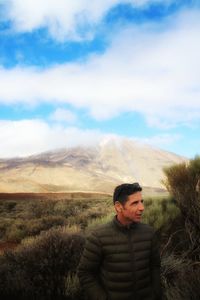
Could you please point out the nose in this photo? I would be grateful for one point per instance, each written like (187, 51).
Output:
(141, 206)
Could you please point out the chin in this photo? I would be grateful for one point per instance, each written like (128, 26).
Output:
(137, 220)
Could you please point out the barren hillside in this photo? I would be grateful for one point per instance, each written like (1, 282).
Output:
(98, 168)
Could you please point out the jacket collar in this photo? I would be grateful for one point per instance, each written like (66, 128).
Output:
(123, 227)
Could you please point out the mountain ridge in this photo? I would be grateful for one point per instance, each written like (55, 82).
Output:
(97, 168)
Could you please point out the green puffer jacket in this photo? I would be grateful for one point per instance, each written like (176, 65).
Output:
(121, 263)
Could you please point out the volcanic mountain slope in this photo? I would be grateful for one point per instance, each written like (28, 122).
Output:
(98, 168)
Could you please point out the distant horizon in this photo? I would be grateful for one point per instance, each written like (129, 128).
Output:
(73, 73)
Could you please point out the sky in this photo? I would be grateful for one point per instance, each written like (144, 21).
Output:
(78, 72)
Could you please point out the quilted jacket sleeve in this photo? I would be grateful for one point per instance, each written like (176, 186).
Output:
(155, 268)
(89, 268)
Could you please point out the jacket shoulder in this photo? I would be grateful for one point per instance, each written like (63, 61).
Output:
(101, 230)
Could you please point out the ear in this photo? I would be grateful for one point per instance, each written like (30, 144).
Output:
(118, 206)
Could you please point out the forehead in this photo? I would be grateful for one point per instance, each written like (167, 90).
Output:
(134, 197)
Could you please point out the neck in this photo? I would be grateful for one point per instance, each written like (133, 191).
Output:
(123, 221)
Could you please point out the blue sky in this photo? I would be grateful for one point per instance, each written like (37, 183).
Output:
(77, 72)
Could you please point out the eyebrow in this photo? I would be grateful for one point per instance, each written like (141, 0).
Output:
(135, 201)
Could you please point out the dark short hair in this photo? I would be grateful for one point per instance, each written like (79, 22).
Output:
(123, 190)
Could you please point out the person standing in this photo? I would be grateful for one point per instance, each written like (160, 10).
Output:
(121, 259)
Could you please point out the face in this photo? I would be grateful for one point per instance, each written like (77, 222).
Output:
(132, 210)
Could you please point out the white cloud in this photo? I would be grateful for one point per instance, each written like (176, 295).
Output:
(27, 137)
(63, 115)
(161, 140)
(145, 70)
(63, 18)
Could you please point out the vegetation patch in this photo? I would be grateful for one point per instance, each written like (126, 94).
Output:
(42, 237)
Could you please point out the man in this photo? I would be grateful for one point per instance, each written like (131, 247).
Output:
(121, 259)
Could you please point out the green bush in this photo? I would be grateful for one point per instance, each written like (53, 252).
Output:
(39, 214)
(159, 211)
(16, 231)
(5, 224)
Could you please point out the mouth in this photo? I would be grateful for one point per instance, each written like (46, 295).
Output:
(139, 216)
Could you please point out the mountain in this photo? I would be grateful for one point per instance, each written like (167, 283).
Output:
(99, 168)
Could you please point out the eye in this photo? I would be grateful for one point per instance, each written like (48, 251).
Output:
(137, 202)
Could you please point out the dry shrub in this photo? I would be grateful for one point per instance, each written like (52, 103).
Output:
(38, 269)
(183, 182)
(180, 278)
(181, 268)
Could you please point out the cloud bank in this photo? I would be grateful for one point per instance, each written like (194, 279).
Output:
(64, 19)
(151, 68)
(29, 137)
(145, 70)
(63, 115)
